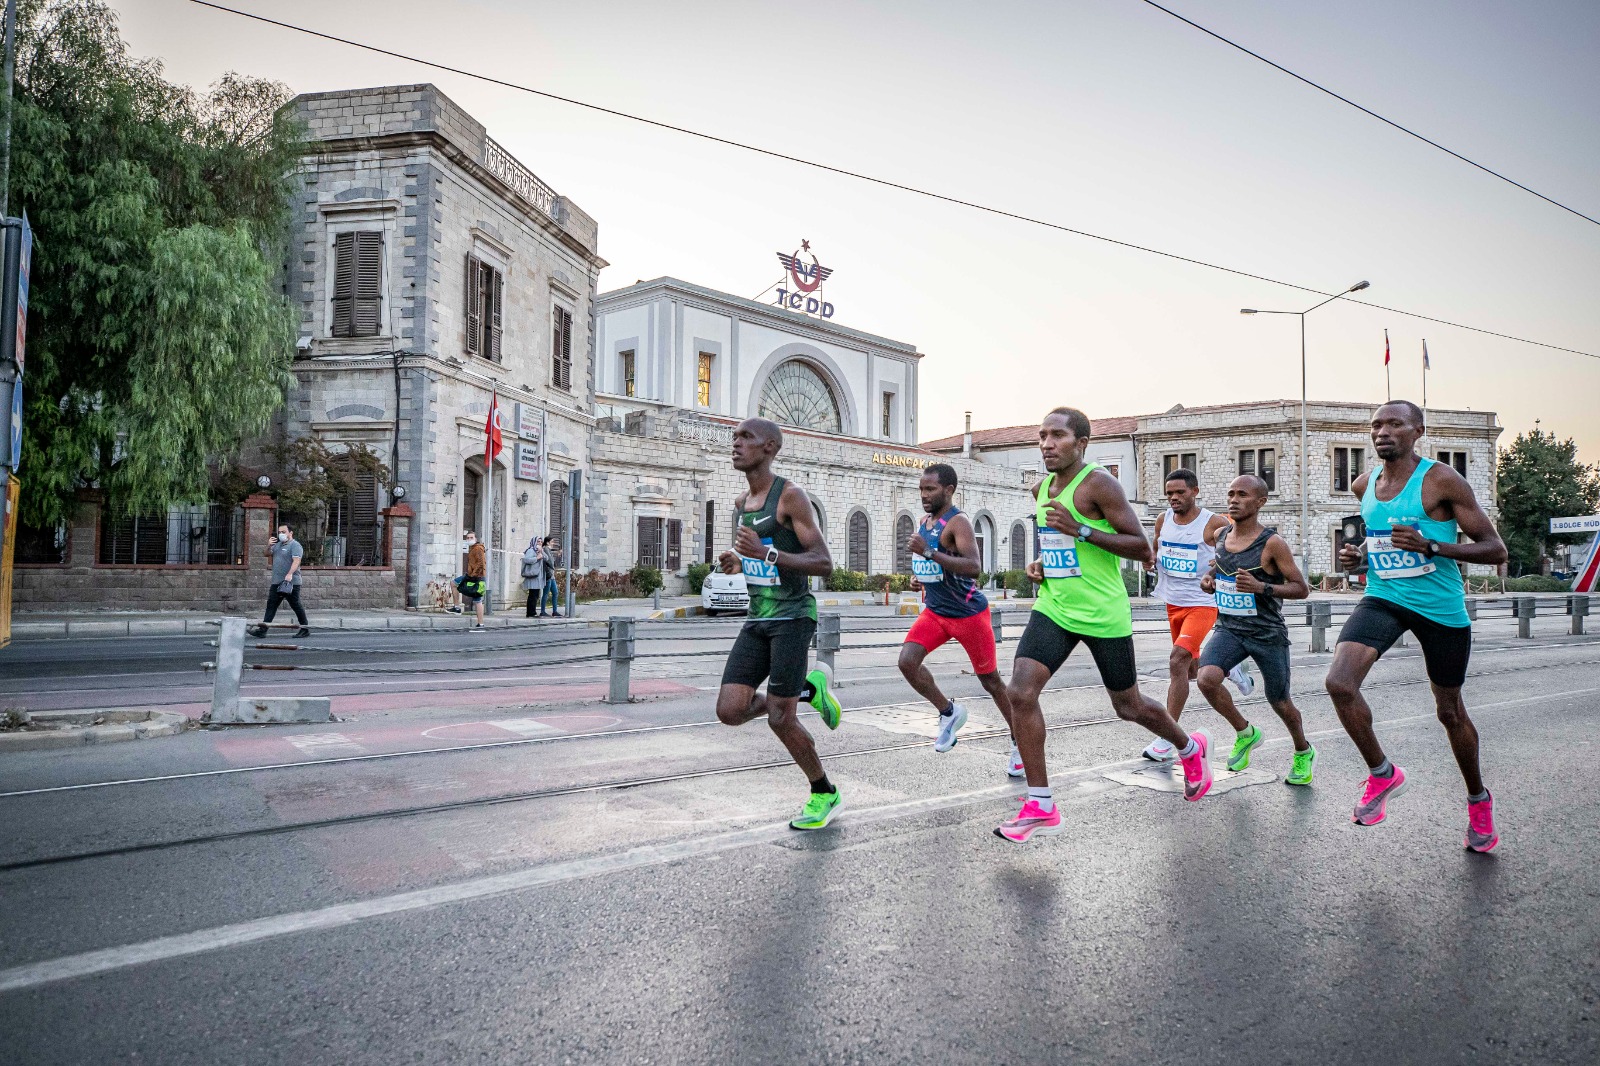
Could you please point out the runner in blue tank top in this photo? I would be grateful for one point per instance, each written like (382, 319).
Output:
(1414, 508)
(944, 560)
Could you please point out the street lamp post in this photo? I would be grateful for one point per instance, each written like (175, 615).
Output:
(1305, 485)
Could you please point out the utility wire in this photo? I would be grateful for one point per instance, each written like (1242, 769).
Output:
(886, 183)
(1369, 111)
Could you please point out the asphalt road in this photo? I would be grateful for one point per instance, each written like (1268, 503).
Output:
(565, 881)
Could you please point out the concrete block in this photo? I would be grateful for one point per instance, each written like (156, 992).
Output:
(149, 627)
(268, 709)
(97, 629)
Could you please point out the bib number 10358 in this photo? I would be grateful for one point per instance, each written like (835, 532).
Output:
(1058, 553)
(1231, 601)
(1388, 562)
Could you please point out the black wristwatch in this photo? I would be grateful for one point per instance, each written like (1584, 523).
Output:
(1432, 549)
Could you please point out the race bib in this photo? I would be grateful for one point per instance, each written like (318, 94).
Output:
(759, 571)
(1388, 562)
(926, 570)
(1059, 553)
(1231, 601)
(1179, 560)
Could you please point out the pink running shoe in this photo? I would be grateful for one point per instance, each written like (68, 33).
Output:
(1375, 796)
(1480, 826)
(1028, 821)
(1196, 768)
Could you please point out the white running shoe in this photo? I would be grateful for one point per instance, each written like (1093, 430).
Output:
(949, 725)
(1015, 768)
(1160, 751)
(1241, 678)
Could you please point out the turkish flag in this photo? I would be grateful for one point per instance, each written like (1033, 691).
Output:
(491, 429)
(1385, 347)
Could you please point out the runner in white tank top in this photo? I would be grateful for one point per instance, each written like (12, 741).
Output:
(1186, 538)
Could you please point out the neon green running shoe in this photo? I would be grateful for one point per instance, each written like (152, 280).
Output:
(1243, 745)
(818, 811)
(1300, 770)
(822, 697)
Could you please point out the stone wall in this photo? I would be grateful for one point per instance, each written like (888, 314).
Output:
(82, 584)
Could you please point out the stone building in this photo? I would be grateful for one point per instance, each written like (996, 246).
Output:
(1262, 437)
(679, 365)
(432, 268)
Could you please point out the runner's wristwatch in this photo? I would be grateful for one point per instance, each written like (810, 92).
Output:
(772, 556)
(1084, 531)
(1433, 549)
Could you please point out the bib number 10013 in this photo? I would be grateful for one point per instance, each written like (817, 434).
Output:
(1058, 554)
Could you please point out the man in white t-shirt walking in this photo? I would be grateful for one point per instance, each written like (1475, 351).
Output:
(1186, 542)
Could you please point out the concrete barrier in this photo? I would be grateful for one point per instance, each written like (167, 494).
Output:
(265, 710)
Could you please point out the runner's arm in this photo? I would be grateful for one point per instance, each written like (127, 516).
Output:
(1486, 547)
(815, 559)
(1129, 540)
(1218, 523)
(1294, 585)
(964, 564)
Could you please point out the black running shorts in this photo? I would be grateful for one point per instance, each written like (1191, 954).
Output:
(1226, 649)
(774, 650)
(1445, 649)
(1047, 643)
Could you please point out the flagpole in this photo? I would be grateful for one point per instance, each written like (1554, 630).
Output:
(1424, 376)
(1388, 392)
(488, 496)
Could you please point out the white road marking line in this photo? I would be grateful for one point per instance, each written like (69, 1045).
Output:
(525, 727)
(107, 960)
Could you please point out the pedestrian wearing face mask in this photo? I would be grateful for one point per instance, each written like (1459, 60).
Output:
(286, 554)
(471, 584)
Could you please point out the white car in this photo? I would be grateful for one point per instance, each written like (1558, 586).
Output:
(724, 592)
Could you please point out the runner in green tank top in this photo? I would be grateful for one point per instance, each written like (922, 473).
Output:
(778, 548)
(1085, 526)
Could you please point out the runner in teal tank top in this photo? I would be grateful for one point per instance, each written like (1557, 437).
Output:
(1084, 527)
(1414, 509)
(778, 548)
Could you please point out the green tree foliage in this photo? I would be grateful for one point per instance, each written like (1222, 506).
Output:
(157, 339)
(1540, 478)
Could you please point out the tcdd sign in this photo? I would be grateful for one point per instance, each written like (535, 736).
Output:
(805, 282)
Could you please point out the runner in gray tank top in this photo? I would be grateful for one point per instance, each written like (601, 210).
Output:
(1253, 570)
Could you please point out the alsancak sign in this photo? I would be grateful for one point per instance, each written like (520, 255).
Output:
(806, 280)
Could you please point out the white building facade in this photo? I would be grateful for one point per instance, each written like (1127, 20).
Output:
(679, 365)
(433, 270)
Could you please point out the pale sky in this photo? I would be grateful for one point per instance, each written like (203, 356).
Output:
(1104, 115)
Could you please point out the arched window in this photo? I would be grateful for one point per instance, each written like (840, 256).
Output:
(983, 533)
(796, 395)
(558, 520)
(1019, 545)
(860, 557)
(903, 528)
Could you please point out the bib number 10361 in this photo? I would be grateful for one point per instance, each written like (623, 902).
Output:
(1388, 562)
(1058, 553)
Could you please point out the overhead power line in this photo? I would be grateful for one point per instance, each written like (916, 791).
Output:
(1369, 111)
(884, 182)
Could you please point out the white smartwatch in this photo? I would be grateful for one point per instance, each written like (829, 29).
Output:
(1084, 531)
(772, 556)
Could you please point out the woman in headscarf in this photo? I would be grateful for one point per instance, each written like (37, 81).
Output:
(533, 576)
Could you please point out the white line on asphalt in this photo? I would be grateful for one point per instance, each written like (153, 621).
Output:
(182, 945)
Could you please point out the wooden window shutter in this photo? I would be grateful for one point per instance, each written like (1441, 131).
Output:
(497, 283)
(649, 542)
(474, 299)
(368, 310)
(709, 529)
(344, 284)
(561, 349)
(674, 543)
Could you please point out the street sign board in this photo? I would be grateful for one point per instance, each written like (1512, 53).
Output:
(18, 258)
(1576, 524)
(9, 493)
(11, 410)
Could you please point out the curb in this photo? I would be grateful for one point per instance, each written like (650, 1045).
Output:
(131, 724)
(677, 612)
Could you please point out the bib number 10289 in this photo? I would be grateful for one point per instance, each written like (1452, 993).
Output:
(1388, 562)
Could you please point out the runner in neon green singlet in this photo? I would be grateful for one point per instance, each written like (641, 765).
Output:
(1093, 602)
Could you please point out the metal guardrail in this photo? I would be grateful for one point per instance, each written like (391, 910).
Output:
(622, 637)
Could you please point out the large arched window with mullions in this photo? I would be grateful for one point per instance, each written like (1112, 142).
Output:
(795, 394)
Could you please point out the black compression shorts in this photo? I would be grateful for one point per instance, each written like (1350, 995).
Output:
(1047, 643)
(772, 650)
(1445, 649)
